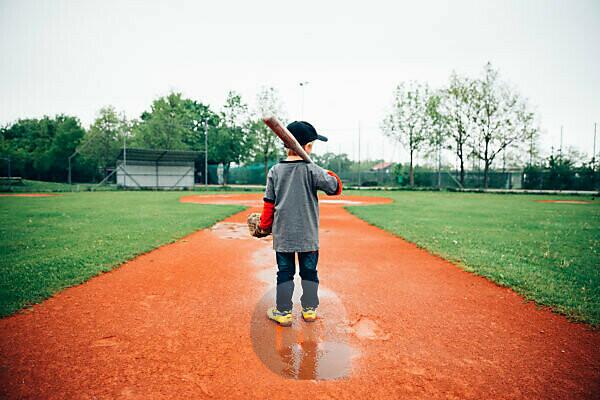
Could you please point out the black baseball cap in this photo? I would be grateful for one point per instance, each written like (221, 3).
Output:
(304, 132)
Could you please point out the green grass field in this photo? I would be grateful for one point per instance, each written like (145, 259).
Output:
(29, 186)
(548, 252)
(49, 243)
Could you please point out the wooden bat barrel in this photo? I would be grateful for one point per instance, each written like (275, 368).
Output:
(286, 136)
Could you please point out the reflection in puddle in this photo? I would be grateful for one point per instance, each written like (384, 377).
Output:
(309, 351)
(304, 351)
(317, 361)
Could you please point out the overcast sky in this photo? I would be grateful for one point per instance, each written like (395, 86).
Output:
(76, 56)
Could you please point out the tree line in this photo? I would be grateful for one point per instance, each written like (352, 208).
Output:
(479, 120)
(473, 117)
(41, 148)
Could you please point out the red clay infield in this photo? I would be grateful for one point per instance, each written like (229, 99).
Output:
(566, 201)
(187, 321)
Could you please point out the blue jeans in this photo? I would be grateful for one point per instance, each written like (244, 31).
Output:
(286, 269)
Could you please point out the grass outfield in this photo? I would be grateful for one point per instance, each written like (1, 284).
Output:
(29, 186)
(49, 243)
(548, 252)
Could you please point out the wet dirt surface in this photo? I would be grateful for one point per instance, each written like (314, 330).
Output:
(188, 321)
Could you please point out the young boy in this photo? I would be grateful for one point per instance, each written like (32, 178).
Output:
(291, 209)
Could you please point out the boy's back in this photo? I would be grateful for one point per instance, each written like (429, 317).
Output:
(292, 187)
(291, 212)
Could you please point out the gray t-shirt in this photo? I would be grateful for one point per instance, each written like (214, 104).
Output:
(292, 186)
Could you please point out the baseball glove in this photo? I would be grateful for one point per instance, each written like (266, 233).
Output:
(253, 226)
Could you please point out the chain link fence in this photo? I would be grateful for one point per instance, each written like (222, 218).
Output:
(254, 174)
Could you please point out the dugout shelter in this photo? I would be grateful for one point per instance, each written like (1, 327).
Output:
(156, 169)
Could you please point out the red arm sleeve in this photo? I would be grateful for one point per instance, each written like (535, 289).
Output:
(339, 181)
(266, 218)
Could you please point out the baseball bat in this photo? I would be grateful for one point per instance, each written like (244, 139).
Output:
(286, 136)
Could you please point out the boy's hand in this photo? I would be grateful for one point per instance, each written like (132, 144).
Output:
(254, 226)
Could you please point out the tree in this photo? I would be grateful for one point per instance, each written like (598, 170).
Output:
(568, 171)
(40, 148)
(561, 172)
(501, 118)
(408, 120)
(177, 123)
(457, 109)
(105, 137)
(231, 142)
(437, 127)
(531, 136)
(333, 161)
(265, 142)
(167, 125)
(198, 119)
(67, 136)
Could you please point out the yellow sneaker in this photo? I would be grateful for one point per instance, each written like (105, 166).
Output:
(309, 314)
(283, 318)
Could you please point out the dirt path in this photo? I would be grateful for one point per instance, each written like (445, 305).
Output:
(187, 321)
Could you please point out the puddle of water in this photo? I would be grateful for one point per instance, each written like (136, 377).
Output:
(315, 351)
(267, 275)
(264, 257)
(304, 351)
(235, 230)
(317, 361)
(230, 230)
(367, 329)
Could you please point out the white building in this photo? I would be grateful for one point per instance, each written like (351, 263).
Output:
(156, 169)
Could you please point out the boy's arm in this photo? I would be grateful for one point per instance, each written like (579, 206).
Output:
(268, 212)
(327, 181)
(266, 217)
(339, 182)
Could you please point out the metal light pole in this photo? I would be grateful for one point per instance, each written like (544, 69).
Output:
(302, 85)
(359, 182)
(439, 166)
(531, 149)
(594, 153)
(77, 150)
(71, 157)
(124, 160)
(561, 141)
(206, 153)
